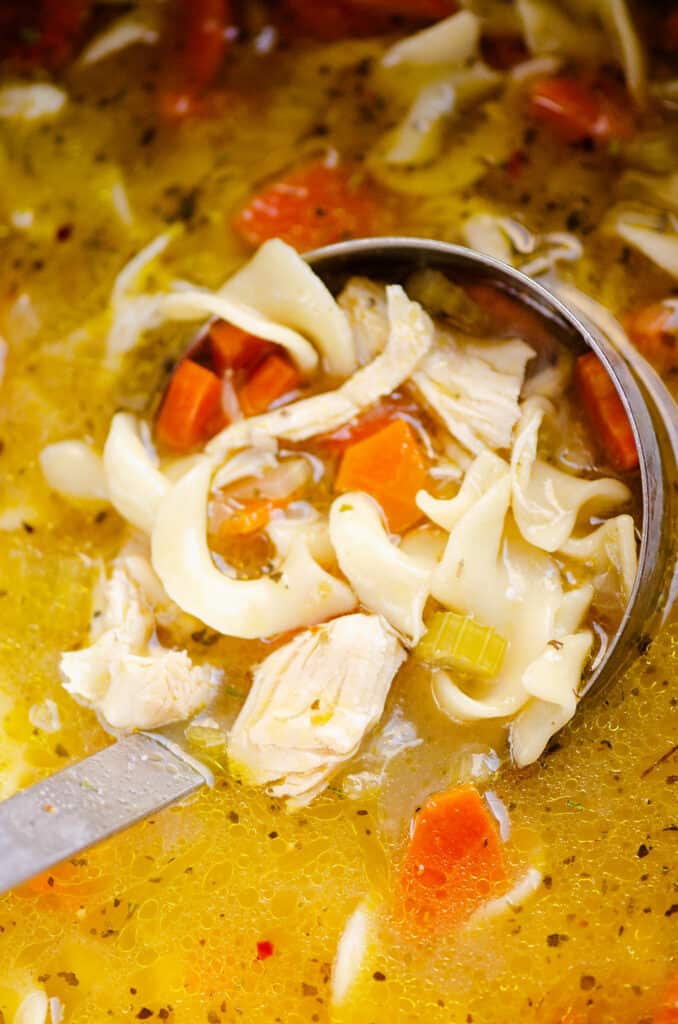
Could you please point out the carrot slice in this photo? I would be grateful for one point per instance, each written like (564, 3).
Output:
(576, 111)
(605, 411)
(667, 1011)
(235, 349)
(200, 38)
(311, 207)
(191, 410)
(391, 467)
(272, 380)
(654, 331)
(454, 860)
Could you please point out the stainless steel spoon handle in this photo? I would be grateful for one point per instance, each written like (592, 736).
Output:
(89, 801)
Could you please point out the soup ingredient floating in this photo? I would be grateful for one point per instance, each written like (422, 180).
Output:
(379, 483)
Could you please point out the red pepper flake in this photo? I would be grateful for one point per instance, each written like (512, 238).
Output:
(264, 949)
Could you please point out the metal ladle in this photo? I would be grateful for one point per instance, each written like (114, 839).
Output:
(142, 773)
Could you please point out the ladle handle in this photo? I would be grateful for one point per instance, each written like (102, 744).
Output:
(89, 801)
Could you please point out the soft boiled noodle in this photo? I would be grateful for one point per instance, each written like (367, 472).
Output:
(488, 571)
(281, 286)
(656, 237)
(386, 579)
(546, 502)
(410, 337)
(304, 593)
(135, 484)
(450, 41)
(558, 28)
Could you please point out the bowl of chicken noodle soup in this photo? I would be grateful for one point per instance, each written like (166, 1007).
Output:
(339, 455)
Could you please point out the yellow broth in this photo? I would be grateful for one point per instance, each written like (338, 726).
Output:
(166, 917)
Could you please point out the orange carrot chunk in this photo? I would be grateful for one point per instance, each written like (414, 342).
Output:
(272, 380)
(605, 411)
(234, 349)
(576, 111)
(654, 331)
(195, 52)
(250, 518)
(313, 206)
(191, 411)
(391, 467)
(453, 863)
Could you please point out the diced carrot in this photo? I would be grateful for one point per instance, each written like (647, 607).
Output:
(511, 316)
(191, 410)
(250, 518)
(667, 1011)
(370, 422)
(311, 207)
(606, 413)
(453, 863)
(654, 331)
(576, 111)
(195, 53)
(390, 466)
(234, 349)
(272, 380)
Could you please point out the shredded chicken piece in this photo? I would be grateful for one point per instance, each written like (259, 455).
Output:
(129, 678)
(311, 703)
(410, 337)
(473, 387)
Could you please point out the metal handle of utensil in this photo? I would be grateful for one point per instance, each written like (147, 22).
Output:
(89, 801)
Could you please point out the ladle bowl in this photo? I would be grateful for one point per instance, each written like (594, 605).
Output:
(649, 406)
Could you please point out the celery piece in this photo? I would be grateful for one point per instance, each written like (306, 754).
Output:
(440, 296)
(458, 641)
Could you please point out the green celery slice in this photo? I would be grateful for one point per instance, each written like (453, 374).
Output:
(458, 641)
